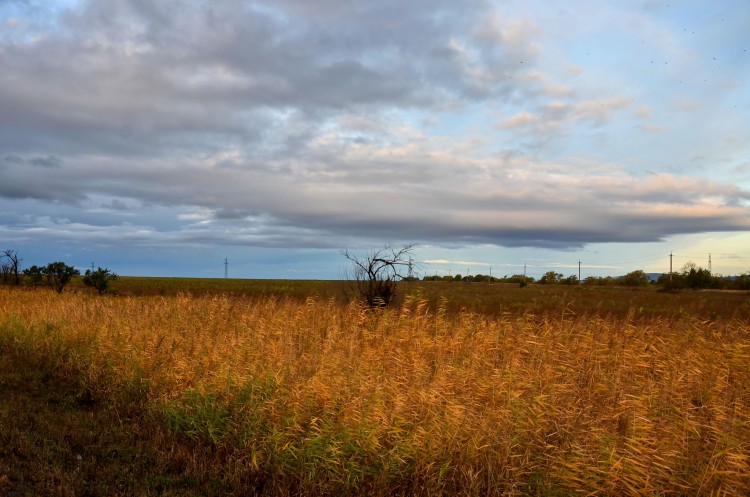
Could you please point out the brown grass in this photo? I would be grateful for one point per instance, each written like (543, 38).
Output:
(278, 396)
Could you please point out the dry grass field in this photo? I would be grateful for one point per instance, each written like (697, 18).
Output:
(458, 390)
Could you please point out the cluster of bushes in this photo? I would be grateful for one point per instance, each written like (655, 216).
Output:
(692, 276)
(55, 274)
(633, 278)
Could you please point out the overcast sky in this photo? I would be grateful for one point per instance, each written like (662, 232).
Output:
(161, 137)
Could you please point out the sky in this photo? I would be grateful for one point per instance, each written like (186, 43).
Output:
(165, 137)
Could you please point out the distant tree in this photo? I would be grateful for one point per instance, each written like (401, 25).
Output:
(13, 262)
(59, 274)
(635, 278)
(550, 277)
(602, 280)
(690, 276)
(671, 281)
(570, 280)
(518, 279)
(696, 277)
(742, 282)
(99, 279)
(376, 273)
(5, 271)
(34, 274)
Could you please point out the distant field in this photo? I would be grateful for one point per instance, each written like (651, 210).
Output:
(237, 387)
(140, 286)
(493, 300)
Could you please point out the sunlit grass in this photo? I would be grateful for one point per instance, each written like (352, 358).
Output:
(320, 397)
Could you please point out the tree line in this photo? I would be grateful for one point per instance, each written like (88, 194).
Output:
(690, 276)
(56, 275)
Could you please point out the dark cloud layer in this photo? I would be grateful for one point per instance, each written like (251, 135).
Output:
(302, 124)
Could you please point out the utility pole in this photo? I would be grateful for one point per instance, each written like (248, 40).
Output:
(670, 267)
(579, 271)
(709, 264)
(226, 268)
(490, 275)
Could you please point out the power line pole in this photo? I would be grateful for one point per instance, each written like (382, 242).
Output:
(670, 267)
(579, 271)
(226, 268)
(709, 264)
(490, 275)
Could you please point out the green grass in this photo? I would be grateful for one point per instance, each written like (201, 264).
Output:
(56, 439)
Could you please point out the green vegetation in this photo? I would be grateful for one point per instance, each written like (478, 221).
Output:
(58, 275)
(34, 275)
(99, 279)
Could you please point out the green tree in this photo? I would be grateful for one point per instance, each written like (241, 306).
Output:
(99, 279)
(635, 278)
(550, 277)
(59, 274)
(671, 281)
(696, 277)
(742, 282)
(34, 274)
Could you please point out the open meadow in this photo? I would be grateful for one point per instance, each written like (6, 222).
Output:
(216, 387)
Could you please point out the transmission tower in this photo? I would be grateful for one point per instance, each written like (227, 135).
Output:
(226, 268)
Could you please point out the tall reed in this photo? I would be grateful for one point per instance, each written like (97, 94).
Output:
(321, 398)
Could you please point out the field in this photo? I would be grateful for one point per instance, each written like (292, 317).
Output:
(213, 387)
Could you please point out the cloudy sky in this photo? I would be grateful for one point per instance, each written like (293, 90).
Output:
(161, 137)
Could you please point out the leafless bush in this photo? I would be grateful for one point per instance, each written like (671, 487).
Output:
(375, 273)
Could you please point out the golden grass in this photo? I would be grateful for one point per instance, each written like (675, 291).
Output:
(317, 397)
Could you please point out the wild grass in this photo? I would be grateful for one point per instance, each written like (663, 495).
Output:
(280, 396)
(491, 300)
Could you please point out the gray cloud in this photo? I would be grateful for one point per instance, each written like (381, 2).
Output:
(50, 161)
(13, 159)
(135, 77)
(292, 124)
(399, 193)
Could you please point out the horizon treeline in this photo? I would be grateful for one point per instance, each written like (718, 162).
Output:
(690, 276)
